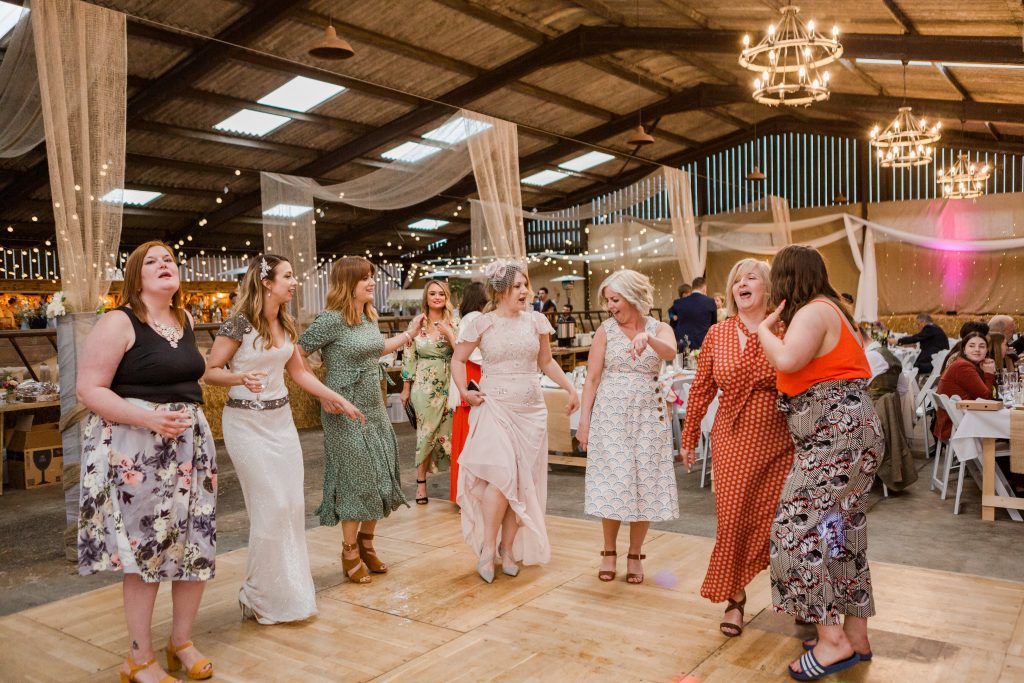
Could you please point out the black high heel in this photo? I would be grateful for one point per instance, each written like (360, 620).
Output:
(424, 500)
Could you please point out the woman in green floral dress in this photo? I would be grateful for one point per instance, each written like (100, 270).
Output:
(361, 481)
(427, 373)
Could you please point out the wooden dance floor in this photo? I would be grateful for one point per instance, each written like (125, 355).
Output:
(432, 619)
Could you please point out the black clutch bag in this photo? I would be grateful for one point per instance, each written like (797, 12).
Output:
(411, 414)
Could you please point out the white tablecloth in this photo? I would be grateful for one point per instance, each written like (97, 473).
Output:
(976, 425)
(907, 355)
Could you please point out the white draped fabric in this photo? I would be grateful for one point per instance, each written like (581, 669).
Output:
(82, 64)
(21, 114)
(495, 157)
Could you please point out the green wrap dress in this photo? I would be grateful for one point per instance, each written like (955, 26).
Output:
(361, 475)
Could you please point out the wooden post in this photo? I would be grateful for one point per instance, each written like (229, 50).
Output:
(988, 477)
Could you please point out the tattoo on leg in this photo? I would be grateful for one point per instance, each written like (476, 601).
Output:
(135, 645)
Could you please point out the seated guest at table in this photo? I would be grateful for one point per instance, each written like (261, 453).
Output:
(503, 467)
(624, 426)
(673, 312)
(965, 329)
(1001, 347)
(886, 369)
(750, 441)
(931, 339)
(474, 299)
(970, 376)
(819, 565)
(149, 469)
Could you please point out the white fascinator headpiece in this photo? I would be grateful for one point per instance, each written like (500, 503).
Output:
(264, 269)
(501, 273)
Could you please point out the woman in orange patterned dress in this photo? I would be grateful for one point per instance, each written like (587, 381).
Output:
(750, 441)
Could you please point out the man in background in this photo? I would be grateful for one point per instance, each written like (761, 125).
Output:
(932, 340)
(546, 304)
(694, 315)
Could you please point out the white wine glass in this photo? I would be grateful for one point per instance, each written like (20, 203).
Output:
(258, 404)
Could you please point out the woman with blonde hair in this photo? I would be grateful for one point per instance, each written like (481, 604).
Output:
(503, 467)
(258, 341)
(624, 426)
(427, 373)
(361, 475)
(750, 442)
(149, 469)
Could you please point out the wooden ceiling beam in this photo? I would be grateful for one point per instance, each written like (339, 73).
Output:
(899, 16)
(226, 139)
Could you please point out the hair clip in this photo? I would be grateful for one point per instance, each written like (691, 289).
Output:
(264, 269)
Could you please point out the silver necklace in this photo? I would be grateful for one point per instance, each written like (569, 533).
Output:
(169, 332)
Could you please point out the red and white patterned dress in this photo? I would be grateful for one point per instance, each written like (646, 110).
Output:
(751, 449)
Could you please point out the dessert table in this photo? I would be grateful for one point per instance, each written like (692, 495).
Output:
(975, 439)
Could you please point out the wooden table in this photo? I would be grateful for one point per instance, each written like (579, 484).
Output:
(985, 427)
(15, 408)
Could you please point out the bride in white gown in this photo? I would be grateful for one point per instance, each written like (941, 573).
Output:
(258, 342)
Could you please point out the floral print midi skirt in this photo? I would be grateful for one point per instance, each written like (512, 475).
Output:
(819, 542)
(148, 504)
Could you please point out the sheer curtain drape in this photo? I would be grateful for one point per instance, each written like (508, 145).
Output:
(82, 64)
(21, 115)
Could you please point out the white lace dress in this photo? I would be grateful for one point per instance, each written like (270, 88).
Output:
(264, 448)
(630, 475)
(507, 444)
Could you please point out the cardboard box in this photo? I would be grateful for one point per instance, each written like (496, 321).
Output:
(35, 457)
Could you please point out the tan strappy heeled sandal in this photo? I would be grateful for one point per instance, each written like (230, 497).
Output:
(355, 569)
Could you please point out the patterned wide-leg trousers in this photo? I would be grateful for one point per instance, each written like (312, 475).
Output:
(818, 550)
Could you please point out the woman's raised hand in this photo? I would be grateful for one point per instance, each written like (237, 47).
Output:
(638, 345)
(416, 324)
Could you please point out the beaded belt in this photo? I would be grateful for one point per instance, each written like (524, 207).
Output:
(246, 403)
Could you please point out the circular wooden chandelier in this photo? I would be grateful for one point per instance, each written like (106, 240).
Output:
(789, 61)
(964, 180)
(906, 141)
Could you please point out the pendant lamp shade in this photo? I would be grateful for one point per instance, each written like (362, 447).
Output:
(330, 46)
(756, 175)
(640, 137)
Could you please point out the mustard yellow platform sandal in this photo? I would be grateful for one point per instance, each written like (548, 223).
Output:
(196, 673)
(134, 668)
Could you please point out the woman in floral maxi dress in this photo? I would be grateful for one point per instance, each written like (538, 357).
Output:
(149, 470)
(427, 372)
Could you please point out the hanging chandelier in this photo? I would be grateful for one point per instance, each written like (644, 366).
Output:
(906, 141)
(964, 180)
(789, 59)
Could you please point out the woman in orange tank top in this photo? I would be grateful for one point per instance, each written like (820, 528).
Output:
(819, 566)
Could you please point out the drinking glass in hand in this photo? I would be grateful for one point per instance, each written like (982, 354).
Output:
(257, 404)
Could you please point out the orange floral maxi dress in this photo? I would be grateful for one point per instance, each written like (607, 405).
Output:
(751, 448)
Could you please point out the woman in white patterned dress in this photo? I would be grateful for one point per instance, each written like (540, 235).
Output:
(259, 343)
(624, 423)
(503, 467)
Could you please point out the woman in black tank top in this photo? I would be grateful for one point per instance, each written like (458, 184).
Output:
(149, 470)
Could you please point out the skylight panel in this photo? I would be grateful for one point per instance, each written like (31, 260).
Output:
(588, 160)
(130, 197)
(457, 130)
(287, 210)
(544, 178)
(10, 15)
(250, 122)
(896, 62)
(427, 224)
(980, 65)
(301, 94)
(410, 152)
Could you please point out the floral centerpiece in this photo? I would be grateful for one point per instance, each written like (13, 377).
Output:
(7, 386)
(55, 308)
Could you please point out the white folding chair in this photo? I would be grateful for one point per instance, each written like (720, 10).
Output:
(948, 403)
(682, 390)
(704, 445)
(925, 401)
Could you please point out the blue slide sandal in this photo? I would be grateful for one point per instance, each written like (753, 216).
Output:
(810, 645)
(812, 670)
